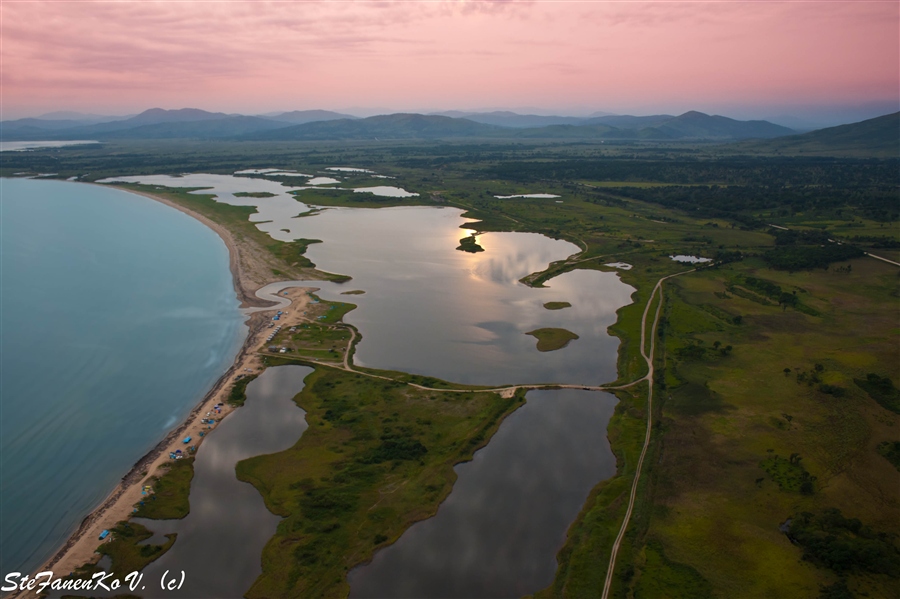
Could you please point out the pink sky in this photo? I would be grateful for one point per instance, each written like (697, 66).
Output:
(635, 57)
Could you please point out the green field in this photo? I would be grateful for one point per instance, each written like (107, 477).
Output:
(776, 369)
(169, 497)
(377, 456)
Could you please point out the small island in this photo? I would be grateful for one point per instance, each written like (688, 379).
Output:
(552, 339)
(557, 305)
(354, 292)
(469, 244)
(253, 194)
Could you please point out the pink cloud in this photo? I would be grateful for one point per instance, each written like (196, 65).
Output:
(610, 55)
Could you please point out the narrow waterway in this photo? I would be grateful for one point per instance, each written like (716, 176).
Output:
(498, 532)
(463, 317)
(220, 542)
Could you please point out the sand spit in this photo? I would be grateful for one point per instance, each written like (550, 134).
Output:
(250, 271)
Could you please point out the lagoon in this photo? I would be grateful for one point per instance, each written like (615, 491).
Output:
(430, 309)
(220, 541)
(21, 146)
(498, 532)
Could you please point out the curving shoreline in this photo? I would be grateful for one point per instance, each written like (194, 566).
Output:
(81, 545)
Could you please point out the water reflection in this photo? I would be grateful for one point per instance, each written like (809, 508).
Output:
(431, 310)
(497, 534)
(279, 208)
(279, 212)
(220, 542)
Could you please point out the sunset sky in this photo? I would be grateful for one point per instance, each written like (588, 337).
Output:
(743, 59)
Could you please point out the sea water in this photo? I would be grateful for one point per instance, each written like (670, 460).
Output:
(118, 314)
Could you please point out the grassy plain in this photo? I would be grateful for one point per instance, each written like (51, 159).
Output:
(169, 499)
(736, 424)
(757, 395)
(377, 456)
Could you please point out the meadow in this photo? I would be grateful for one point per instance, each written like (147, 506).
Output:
(775, 429)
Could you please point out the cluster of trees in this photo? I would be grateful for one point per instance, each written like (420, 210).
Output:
(733, 188)
(727, 256)
(877, 241)
(802, 237)
(696, 351)
(395, 446)
(891, 451)
(882, 390)
(800, 257)
(773, 291)
(772, 172)
(844, 545)
(790, 474)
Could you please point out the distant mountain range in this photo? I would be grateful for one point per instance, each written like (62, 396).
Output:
(192, 123)
(876, 138)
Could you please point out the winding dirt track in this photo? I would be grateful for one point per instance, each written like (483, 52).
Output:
(649, 378)
(648, 358)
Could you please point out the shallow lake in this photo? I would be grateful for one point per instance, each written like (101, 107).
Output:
(498, 532)
(430, 309)
(19, 146)
(220, 542)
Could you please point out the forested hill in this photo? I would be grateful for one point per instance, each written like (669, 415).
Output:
(874, 138)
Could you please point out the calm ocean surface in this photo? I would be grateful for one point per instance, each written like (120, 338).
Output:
(118, 314)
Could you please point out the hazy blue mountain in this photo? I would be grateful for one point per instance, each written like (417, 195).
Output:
(181, 115)
(41, 124)
(133, 127)
(567, 132)
(800, 125)
(626, 121)
(513, 119)
(391, 126)
(691, 125)
(298, 117)
(157, 123)
(697, 125)
(70, 115)
(878, 137)
(229, 127)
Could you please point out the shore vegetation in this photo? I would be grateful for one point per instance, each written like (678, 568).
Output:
(775, 365)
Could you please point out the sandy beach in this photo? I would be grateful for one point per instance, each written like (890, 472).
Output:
(250, 271)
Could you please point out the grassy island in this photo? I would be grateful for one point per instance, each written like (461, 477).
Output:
(253, 194)
(469, 244)
(552, 339)
(557, 305)
(378, 455)
(775, 367)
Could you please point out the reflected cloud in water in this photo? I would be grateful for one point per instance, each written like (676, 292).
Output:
(498, 532)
